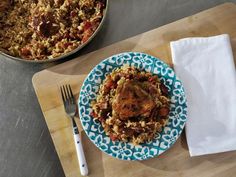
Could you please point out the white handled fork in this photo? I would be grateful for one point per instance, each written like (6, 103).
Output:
(70, 108)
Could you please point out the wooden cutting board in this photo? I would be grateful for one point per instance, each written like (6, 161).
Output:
(174, 162)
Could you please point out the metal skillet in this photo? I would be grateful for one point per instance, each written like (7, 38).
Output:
(66, 54)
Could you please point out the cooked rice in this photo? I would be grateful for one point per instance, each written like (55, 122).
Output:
(45, 29)
(132, 126)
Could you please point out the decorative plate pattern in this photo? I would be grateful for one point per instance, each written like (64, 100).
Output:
(177, 115)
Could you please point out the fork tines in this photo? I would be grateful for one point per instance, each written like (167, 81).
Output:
(67, 94)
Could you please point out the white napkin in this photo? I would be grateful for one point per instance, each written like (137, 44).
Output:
(207, 70)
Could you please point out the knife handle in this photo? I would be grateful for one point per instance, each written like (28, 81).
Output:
(80, 152)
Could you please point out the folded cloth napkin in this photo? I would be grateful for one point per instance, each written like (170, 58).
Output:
(206, 68)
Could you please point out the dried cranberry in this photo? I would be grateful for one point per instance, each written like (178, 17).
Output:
(129, 132)
(164, 90)
(66, 35)
(73, 14)
(152, 79)
(25, 51)
(113, 137)
(164, 111)
(66, 45)
(101, 119)
(93, 114)
(87, 25)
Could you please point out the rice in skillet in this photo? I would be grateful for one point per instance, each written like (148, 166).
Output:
(45, 29)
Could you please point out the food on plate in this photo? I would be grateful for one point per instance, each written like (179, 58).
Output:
(131, 105)
(46, 29)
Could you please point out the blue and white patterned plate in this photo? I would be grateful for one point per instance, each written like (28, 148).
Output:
(177, 115)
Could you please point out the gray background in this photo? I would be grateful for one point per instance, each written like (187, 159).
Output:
(26, 148)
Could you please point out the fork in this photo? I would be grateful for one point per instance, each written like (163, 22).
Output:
(70, 108)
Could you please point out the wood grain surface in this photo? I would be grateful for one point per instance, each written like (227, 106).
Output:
(174, 162)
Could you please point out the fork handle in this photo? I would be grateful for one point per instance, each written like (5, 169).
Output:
(80, 152)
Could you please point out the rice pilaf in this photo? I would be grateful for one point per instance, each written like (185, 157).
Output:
(131, 105)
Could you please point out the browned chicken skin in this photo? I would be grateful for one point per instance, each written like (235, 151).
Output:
(132, 100)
